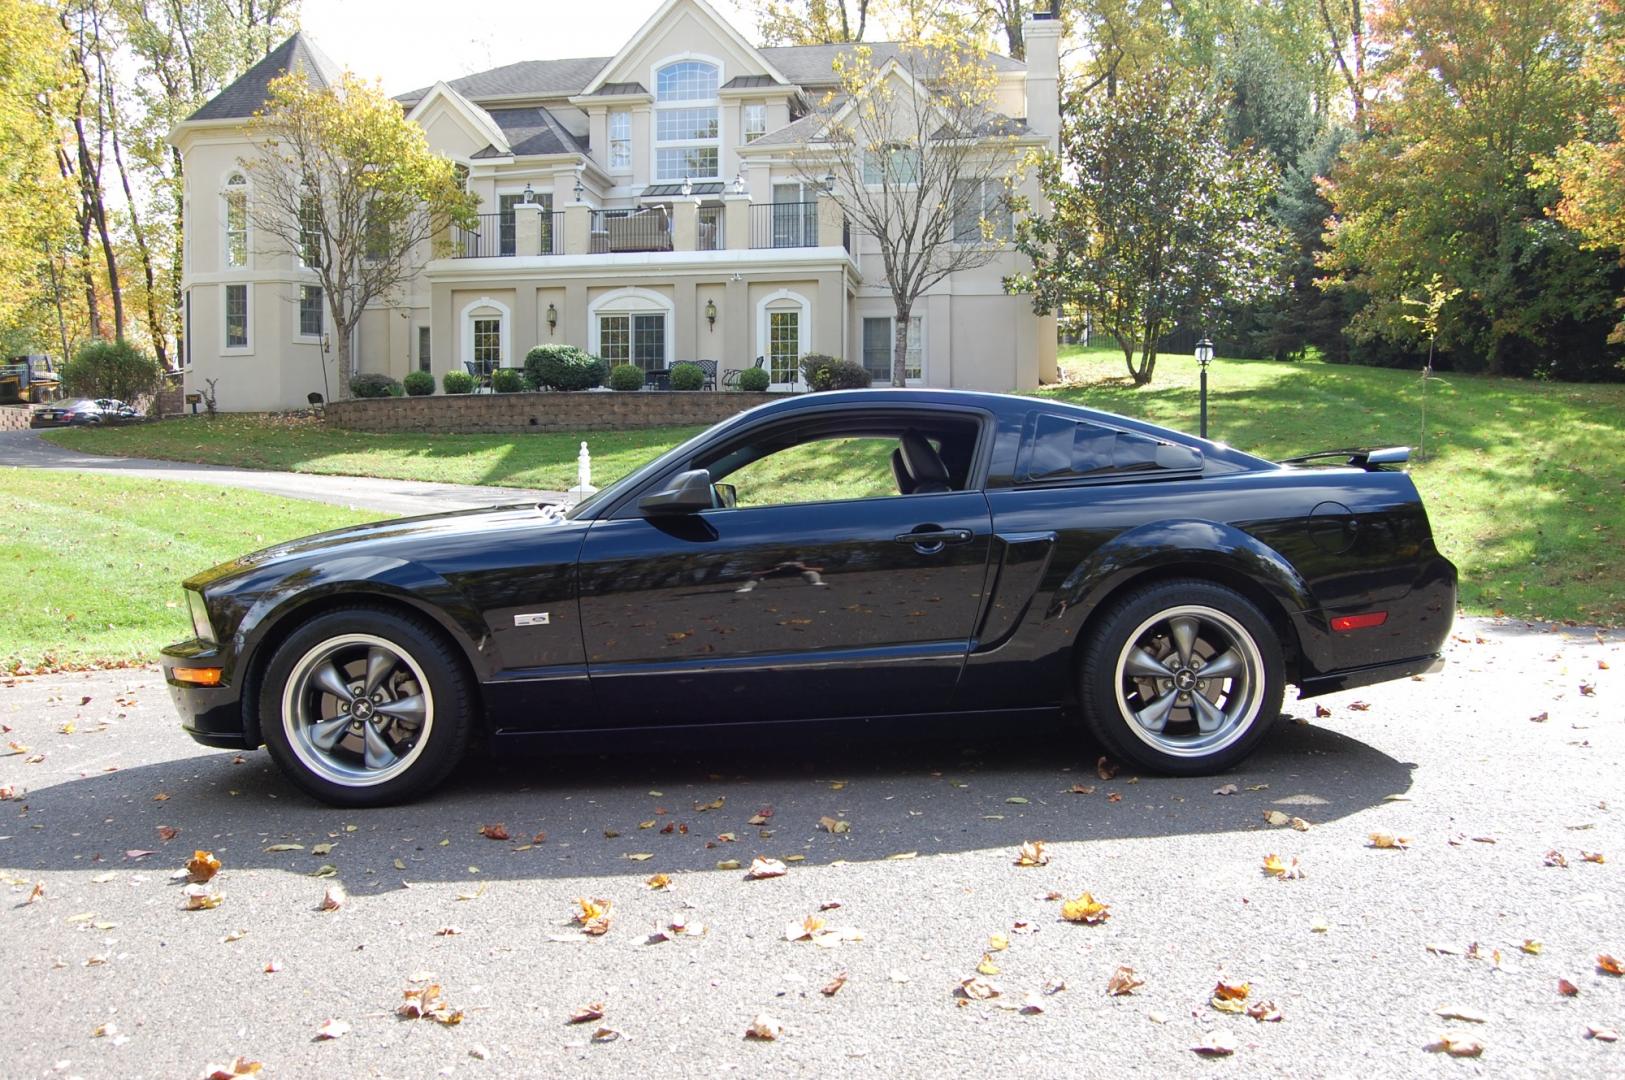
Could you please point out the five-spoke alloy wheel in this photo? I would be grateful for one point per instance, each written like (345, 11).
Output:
(364, 707)
(1183, 677)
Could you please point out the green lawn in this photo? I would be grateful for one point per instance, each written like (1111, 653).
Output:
(1524, 481)
(91, 565)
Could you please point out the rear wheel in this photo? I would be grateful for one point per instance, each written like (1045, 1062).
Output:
(365, 707)
(1184, 677)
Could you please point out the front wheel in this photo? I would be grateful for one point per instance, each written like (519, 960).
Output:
(1183, 677)
(365, 707)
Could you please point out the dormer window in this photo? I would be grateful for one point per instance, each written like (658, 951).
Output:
(236, 198)
(620, 140)
(754, 120)
(687, 131)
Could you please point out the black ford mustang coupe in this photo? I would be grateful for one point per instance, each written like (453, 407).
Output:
(892, 556)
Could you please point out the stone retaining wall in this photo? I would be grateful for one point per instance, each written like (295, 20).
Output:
(15, 417)
(584, 411)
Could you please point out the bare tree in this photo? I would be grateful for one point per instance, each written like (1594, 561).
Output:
(914, 155)
(346, 185)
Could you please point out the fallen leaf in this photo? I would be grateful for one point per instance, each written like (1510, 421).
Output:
(1456, 1044)
(1567, 989)
(1226, 991)
(1264, 1012)
(898, 856)
(1299, 824)
(1081, 789)
(1609, 966)
(1106, 768)
(1601, 1034)
(162, 796)
(1388, 840)
(241, 1066)
(1123, 982)
(647, 824)
(715, 804)
(1556, 858)
(447, 931)
(1032, 853)
(1016, 800)
(1322, 712)
(640, 856)
(332, 1029)
(322, 849)
(1531, 946)
(595, 915)
(605, 1035)
(659, 881)
(36, 893)
(539, 838)
(1216, 1044)
(1085, 909)
(167, 832)
(1359, 706)
(1540, 718)
(728, 864)
(1275, 817)
(1462, 1013)
(834, 825)
(285, 847)
(333, 898)
(1592, 857)
(1227, 789)
(201, 898)
(592, 1012)
(833, 987)
(997, 942)
(978, 989)
(200, 867)
(765, 868)
(272, 967)
(428, 1003)
(235, 935)
(764, 1027)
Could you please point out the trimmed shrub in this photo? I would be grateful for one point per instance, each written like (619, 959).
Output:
(507, 381)
(418, 383)
(831, 373)
(457, 382)
(687, 376)
(755, 380)
(111, 369)
(372, 384)
(626, 377)
(562, 367)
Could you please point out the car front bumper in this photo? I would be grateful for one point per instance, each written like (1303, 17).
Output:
(212, 715)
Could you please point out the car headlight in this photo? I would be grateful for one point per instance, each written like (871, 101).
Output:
(200, 616)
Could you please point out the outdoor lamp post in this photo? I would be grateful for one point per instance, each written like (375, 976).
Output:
(1204, 357)
(530, 194)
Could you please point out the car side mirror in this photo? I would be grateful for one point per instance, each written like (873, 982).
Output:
(688, 493)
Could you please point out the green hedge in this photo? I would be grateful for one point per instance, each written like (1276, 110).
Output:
(562, 367)
(457, 382)
(755, 380)
(373, 384)
(626, 377)
(111, 369)
(507, 381)
(687, 376)
(418, 383)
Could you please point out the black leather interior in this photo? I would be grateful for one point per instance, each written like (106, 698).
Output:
(899, 471)
(925, 467)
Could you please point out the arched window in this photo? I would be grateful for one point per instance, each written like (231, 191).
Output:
(236, 220)
(687, 122)
(487, 327)
(783, 332)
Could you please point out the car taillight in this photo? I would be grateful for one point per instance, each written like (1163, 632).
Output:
(1359, 622)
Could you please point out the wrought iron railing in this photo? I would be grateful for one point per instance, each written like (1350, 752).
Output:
(484, 241)
(784, 225)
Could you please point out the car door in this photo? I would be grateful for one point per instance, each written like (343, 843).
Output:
(826, 608)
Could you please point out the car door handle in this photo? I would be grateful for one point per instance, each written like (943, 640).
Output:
(929, 541)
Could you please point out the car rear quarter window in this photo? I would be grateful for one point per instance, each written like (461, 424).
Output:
(1065, 448)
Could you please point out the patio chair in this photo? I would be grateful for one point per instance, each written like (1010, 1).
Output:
(482, 379)
(710, 369)
(730, 378)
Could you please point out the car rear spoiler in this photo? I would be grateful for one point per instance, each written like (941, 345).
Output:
(1363, 458)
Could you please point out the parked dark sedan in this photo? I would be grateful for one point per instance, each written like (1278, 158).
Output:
(84, 411)
(893, 556)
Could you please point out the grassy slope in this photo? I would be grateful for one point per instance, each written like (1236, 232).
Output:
(91, 565)
(1524, 481)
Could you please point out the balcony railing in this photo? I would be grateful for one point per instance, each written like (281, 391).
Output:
(784, 225)
(552, 232)
(708, 229)
(484, 241)
(630, 230)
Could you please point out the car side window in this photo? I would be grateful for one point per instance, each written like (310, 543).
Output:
(1062, 448)
(819, 470)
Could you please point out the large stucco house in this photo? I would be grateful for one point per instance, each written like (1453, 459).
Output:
(644, 206)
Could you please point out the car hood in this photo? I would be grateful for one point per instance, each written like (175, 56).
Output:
(401, 538)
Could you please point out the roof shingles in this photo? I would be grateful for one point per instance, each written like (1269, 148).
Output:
(245, 96)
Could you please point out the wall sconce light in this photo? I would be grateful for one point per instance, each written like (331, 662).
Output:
(552, 319)
(711, 314)
(829, 183)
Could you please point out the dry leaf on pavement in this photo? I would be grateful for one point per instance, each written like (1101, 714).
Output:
(833, 987)
(1456, 1044)
(594, 915)
(605, 1035)
(765, 868)
(1264, 1012)
(167, 832)
(498, 831)
(333, 898)
(201, 898)
(1085, 909)
(1592, 857)
(427, 1003)
(332, 1029)
(1106, 768)
(1566, 988)
(829, 824)
(592, 1012)
(1601, 1034)
(1227, 789)
(1275, 817)
(987, 966)
(1388, 840)
(1462, 1013)
(1123, 982)
(1556, 858)
(1032, 853)
(1609, 966)
(239, 1067)
(202, 866)
(659, 881)
(764, 1027)
(1216, 1044)
(977, 989)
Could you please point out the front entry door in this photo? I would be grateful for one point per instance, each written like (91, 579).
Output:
(790, 612)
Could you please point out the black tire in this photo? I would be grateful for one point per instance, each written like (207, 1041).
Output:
(298, 710)
(1218, 625)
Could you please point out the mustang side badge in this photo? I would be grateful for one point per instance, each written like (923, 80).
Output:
(537, 618)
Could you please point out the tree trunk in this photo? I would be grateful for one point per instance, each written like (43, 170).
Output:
(155, 326)
(899, 359)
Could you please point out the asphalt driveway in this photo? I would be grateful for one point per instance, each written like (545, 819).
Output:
(1500, 774)
(26, 449)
